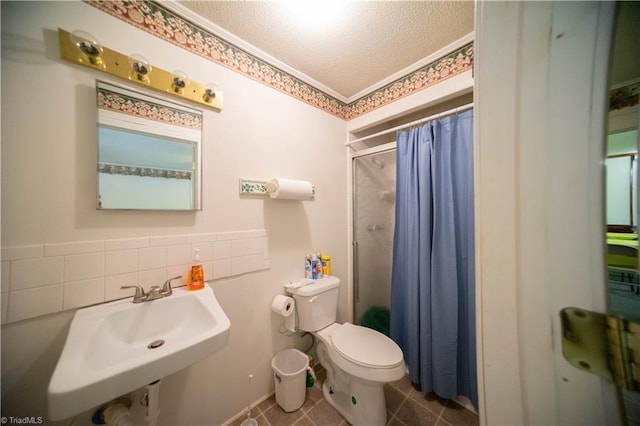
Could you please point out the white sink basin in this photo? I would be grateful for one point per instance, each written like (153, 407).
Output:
(107, 352)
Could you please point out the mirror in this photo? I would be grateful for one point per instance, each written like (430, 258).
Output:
(149, 151)
(621, 166)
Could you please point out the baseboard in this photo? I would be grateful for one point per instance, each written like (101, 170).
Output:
(243, 412)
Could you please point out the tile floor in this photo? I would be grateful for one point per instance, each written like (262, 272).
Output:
(405, 406)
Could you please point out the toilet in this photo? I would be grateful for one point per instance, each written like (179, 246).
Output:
(358, 360)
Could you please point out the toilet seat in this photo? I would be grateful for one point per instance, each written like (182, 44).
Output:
(366, 347)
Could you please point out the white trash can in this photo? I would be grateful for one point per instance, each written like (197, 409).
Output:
(290, 375)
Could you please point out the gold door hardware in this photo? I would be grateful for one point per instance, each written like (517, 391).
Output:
(601, 344)
(135, 70)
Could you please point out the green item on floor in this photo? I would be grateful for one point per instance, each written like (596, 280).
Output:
(377, 318)
(310, 380)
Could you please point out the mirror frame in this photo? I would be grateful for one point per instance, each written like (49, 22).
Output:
(122, 108)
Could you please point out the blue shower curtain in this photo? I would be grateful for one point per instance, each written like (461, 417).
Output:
(432, 285)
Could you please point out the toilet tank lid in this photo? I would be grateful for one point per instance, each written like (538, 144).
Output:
(316, 287)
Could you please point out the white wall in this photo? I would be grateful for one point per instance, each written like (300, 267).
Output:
(48, 197)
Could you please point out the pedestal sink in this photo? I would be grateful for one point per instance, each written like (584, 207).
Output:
(118, 347)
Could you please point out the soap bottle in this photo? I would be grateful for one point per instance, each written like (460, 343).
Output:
(195, 277)
(307, 266)
(326, 264)
(314, 267)
(320, 266)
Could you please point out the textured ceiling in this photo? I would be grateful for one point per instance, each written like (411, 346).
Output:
(367, 43)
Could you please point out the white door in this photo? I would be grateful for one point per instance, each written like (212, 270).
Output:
(540, 96)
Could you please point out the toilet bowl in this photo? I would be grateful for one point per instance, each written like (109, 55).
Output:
(358, 360)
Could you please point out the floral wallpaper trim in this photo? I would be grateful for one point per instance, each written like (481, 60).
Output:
(155, 19)
(625, 96)
(433, 73)
(252, 187)
(137, 107)
(117, 169)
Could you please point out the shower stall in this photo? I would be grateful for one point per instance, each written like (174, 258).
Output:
(374, 183)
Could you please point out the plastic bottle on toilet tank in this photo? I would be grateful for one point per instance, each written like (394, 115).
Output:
(326, 265)
(315, 262)
(320, 267)
(307, 266)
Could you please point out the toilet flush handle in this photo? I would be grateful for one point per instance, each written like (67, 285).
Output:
(313, 299)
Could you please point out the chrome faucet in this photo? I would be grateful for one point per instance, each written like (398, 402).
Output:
(155, 292)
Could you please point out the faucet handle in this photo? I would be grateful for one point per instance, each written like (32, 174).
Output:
(166, 287)
(139, 291)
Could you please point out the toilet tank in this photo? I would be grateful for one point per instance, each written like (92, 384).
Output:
(317, 303)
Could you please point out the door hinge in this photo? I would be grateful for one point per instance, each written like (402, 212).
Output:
(602, 344)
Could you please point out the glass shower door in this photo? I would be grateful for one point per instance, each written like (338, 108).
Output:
(374, 183)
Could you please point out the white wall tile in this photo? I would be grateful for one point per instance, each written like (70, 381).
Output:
(239, 248)
(126, 243)
(201, 238)
(225, 236)
(221, 269)
(221, 250)
(83, 266)
(178, 270)
(6, 275)
(79, 247)
(22, 252)
(167, 240)
(256, 245)
(255, 233)
(82, 273)
(239, 265)
(256, 262)
(36, 272)
(152, 258)
(34, 302)
(121, 262)
(206, 251)
(83, 293)
(113, 283)
(179, 255)
(152, 277)
(207, 268)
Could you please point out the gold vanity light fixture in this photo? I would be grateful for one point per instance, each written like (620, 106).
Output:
(82, 48)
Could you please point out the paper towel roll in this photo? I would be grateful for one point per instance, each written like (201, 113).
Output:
(285, 306)
(290, 189)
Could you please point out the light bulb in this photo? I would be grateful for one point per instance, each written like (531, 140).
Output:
(88, 45)
(140, 66)
(210, 92)
(179, 81)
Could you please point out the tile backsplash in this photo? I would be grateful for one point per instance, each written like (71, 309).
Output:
(41, 279)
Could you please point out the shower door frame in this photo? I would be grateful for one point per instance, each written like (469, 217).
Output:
(353, 255)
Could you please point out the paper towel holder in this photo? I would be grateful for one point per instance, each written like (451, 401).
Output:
(262, 187)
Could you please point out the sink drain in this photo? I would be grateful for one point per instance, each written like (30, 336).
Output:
(155, 344)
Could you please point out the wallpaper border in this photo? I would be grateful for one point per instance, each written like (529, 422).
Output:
(155, 19)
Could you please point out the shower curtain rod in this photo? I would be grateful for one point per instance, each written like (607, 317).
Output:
(413, 123)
